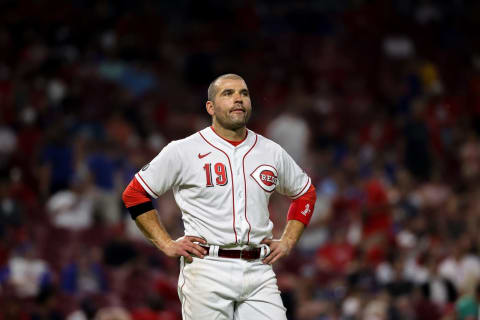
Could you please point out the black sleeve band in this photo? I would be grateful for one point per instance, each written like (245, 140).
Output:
(137, 210)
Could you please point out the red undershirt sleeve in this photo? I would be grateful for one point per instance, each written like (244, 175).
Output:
(301, 209)
(136, 199)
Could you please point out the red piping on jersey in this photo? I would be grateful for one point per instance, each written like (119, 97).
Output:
(245, 183)
(234, 143)
(308, 181)
(231, 174)
(148, 185)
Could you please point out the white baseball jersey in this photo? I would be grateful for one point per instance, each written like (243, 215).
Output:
(223, 190)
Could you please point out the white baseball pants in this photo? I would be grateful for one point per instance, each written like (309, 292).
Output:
(217, 288)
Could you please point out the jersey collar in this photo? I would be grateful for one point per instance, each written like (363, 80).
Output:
(233, 143)
(212, 137)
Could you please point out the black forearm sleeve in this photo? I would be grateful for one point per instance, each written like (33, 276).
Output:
(138, 209)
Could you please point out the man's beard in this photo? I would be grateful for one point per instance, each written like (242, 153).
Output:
(227, 122)
(232, 124)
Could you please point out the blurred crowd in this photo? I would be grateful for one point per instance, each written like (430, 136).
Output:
(379, 101)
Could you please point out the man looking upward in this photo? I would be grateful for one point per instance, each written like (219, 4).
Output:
(222, 178)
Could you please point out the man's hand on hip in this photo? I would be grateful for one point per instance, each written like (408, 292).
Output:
(185, 247)
(279, 249)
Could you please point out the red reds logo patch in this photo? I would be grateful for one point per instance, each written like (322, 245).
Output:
(266, 177)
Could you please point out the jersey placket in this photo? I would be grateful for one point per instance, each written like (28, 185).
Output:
(238, 196)
(241, 224)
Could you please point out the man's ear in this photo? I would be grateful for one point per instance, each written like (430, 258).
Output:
(210, 107)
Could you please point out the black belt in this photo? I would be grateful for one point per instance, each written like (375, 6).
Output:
(245, 254)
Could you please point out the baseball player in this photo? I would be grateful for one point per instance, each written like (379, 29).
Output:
(222, 178)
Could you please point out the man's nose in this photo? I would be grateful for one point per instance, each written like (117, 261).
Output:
(238, 97)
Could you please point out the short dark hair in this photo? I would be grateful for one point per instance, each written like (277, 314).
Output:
(213, 89)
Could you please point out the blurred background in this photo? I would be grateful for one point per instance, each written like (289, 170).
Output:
(379, 101)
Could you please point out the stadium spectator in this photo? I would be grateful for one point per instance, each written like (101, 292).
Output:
(73, 208)
(28, 272)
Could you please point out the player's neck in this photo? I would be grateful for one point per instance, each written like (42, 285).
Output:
(231, 135)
